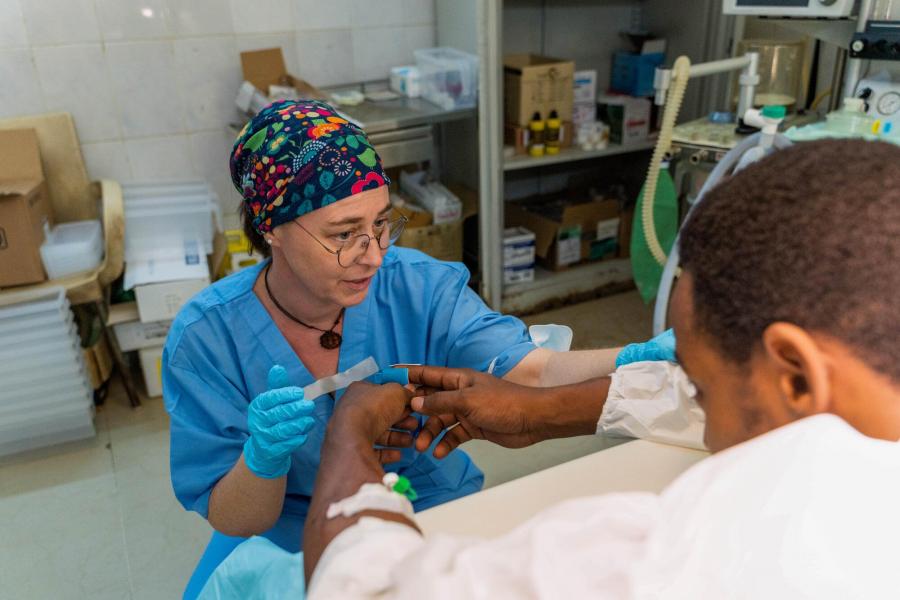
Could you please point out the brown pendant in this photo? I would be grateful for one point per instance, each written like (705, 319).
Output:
(330, 340)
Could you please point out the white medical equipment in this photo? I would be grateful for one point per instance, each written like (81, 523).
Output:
(831, 9)
(747, 151)
(882, 97)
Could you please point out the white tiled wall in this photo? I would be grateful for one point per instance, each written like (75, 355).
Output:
(151, 83)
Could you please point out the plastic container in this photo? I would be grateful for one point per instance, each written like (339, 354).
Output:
(72, 248)
(406, 81)
(852, 119)
(780, 70)
(449, 77)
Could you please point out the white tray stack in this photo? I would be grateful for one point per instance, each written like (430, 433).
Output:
(45, 395)
(162, 217)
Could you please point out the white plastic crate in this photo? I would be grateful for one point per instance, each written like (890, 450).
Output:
(46, 397)
(449, 77)
(53, 427)
(72, 248)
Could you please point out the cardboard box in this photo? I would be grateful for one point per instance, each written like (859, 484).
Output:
(130, 333)
(136, 335)
(518, 136)
(518, 247)
(162, 301)
(443, 242)
(264, 68)
(563, 229)
(514, 275)
(537, 84)
(151, 367)
(628, 118)
(24, 208)
(163, 285)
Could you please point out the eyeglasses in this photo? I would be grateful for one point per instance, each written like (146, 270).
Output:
(354, 249)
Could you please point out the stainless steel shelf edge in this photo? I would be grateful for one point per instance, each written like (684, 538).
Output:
(571, 155)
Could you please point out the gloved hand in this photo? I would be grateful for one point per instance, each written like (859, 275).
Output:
(662, 347)
(279, 420)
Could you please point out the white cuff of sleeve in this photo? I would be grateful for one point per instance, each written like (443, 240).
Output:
(653, 400)
(359, 562)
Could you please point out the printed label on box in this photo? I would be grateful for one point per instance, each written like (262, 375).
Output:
(608, 228)
(568, 246)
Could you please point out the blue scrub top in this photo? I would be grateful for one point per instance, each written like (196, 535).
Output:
(223, 343)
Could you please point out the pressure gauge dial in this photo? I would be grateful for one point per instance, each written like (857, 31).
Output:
(889, 103)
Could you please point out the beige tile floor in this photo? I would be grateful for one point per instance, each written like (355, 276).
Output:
(97, 519)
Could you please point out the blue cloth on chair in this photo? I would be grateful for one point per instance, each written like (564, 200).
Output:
(218, 549)
(257, 570)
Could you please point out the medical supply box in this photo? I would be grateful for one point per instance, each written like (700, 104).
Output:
(565, 229)
(518, 255)
(130, 333)
(24, 208)
(628, 118)
(537, 84)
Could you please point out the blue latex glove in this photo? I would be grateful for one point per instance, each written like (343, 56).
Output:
(397, 375)
(279, 420)
(662, 347)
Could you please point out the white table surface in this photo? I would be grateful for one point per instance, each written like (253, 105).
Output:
(634, 466)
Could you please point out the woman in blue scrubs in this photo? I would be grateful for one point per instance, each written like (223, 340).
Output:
(333, 292)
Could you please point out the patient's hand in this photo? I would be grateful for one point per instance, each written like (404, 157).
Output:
(377, 414)
(484, 406)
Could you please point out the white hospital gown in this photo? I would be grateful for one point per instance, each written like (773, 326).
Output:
(807, 511)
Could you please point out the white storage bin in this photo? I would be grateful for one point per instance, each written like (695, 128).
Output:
(72, 248)
(449, 77)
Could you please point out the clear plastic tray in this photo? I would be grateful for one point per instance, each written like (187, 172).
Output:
(15, 305)
(72, 248)
(54, 427)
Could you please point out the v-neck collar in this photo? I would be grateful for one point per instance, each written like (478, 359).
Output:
(353, 350)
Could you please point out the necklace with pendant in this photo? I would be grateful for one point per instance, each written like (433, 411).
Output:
(329, 339)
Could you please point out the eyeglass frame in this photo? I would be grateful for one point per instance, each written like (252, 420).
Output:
(337, 253)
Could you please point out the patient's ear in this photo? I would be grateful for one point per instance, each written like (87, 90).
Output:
(801, 369)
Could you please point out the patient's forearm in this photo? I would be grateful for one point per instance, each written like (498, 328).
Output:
(565, 368)
(347, 463)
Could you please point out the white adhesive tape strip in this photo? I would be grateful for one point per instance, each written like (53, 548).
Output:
(326, 385)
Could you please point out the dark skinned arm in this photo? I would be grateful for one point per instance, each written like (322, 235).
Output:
(348, 461)
(511, 415)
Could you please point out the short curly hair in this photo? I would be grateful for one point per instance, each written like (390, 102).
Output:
(809, 235)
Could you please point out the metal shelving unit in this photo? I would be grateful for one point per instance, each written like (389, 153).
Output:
(572, 155)
(477, 26)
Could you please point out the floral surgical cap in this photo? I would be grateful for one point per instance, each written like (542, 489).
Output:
(297, 156)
